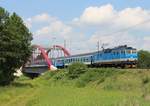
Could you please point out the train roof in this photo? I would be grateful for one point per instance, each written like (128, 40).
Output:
(123, 47)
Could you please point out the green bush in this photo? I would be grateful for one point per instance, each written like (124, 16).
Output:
(76, 69)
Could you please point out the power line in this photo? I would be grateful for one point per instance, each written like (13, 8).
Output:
(128, 28)
(122, 30)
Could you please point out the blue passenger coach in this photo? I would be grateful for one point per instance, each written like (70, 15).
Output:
(121, 56)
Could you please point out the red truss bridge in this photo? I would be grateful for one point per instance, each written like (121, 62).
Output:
(42, 59)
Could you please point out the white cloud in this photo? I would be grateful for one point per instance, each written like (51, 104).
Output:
(56, 32)
(116, 27)
(133, 16)
(40, 18)
(107, 15)
(96, 23)
(56, 28)
(146, 44)
(27, 22)
(97, 15)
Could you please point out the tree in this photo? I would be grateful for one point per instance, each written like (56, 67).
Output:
(15, 45)
(143, 59)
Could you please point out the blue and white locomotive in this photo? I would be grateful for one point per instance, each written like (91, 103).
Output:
(121, 56)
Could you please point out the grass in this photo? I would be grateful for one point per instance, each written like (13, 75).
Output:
(96, 87)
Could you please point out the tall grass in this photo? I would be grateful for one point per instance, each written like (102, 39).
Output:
(93, 87)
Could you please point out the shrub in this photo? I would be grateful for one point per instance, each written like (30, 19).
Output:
(76, 69)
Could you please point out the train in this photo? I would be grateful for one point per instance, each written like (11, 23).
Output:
(121, 56)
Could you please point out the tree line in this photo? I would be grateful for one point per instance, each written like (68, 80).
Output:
(143, 59)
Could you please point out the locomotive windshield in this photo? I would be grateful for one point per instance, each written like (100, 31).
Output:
(134, 51)
(131, 51)
(128, 51)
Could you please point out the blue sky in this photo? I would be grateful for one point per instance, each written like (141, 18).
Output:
(65, 9)
(84, 22)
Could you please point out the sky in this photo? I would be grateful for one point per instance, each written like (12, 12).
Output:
(83, 23)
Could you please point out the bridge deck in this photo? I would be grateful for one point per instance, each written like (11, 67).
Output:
(35, 69)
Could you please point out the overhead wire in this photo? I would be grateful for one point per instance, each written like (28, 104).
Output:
(128, 28)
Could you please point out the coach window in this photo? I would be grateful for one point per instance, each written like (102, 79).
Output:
(75, 59)
(117, 52)
(69, 60)
(122, 52)
(114, 52)
(84, 59)
(100, 54)
(78, 59)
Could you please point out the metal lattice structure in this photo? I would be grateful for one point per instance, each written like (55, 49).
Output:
(42, 59)
(57, 51)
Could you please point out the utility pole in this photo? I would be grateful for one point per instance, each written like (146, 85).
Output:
(104, 45)
(98, 45)
(64, 43)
